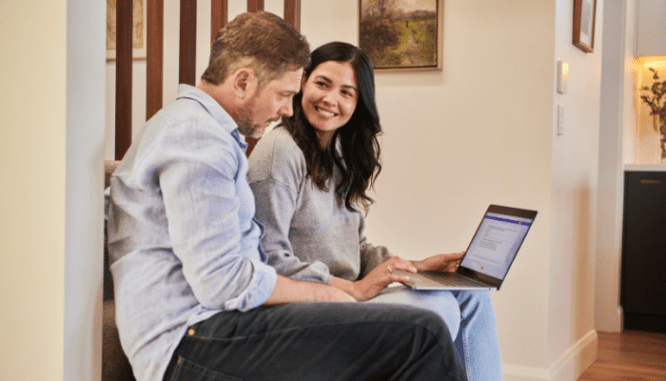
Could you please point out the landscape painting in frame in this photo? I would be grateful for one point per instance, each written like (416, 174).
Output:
(138, 29)
(401, 35)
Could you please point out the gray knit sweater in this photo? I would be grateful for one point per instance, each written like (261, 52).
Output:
(309, 234)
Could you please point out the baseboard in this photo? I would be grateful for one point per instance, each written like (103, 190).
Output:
(568, 367)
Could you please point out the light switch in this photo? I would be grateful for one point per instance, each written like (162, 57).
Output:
(562, 76)
(560, 120)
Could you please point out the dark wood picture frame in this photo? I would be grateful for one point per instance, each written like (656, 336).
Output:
(400, 37)
(584, 20)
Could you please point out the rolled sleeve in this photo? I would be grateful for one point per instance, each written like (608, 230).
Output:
(261, 285)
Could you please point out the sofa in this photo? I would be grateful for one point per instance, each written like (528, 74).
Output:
(115, 365)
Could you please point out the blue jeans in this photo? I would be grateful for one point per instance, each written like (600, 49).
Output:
(470, 318)
(318, 341)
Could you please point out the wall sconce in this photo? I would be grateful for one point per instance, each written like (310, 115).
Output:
(562, 76)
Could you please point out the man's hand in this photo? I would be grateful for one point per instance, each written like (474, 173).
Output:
(293, 291)
(380, 277)
(440, 262)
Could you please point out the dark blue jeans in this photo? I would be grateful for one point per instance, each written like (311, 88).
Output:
(318, 341)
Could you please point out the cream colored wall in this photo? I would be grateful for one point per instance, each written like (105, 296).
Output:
(32, 192)
(479, 132)
(574, 203)
(51, 150)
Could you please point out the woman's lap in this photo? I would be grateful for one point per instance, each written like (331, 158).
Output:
(441, 302)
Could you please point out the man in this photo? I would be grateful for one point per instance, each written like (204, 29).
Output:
(194, 297)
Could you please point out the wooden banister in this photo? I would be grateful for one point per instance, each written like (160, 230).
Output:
(255, 5)
(123, 77)
(292, 13)
(154, 56)
(219, 10)
(188, 41)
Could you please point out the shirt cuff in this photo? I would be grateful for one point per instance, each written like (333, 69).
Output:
(259, 289)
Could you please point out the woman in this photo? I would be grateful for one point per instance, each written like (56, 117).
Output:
(310, 176)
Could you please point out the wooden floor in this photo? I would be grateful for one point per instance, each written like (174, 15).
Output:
(629, 356)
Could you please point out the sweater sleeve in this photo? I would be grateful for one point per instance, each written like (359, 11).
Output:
(276, 174)
(371, 255)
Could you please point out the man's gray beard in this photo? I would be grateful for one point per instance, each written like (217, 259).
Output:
(256, 131)
(246, 128)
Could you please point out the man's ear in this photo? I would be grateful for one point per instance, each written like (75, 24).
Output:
(244, 82)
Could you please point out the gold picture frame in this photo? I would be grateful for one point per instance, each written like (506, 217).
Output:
(402, 35)
(138, 29)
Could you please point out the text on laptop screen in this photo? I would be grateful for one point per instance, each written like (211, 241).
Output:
(496, 243)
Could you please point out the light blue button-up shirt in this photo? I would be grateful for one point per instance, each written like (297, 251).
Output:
(183, 241)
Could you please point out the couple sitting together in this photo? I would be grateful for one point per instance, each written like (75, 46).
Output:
(226, 269)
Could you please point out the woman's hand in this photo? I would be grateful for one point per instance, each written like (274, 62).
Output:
(380, 277)
(440, 262)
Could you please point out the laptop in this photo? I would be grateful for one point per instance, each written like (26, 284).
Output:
(489, 256)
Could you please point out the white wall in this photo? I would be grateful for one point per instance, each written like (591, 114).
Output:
(50, 194)
(481, 131)
(574, 202)
(618, 146)
(83, 202)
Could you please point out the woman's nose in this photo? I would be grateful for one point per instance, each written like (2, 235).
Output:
(329, 97)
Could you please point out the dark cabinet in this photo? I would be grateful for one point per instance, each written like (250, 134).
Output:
(643, 283)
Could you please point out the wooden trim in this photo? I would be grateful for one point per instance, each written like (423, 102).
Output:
(255, 5)
(123, 77)
(188, 41)
(154, 57)
(292, 13)
(219, 12)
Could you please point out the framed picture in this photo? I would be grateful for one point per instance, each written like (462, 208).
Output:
(402, 35)
(585, 14)
(138, 29)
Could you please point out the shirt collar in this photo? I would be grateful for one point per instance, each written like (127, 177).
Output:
(214, 109)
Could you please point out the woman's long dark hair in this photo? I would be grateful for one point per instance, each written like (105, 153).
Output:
(360, 151)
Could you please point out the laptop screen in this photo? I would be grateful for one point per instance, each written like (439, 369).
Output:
(497, 241)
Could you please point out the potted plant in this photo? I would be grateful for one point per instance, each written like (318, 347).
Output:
(655, 99)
